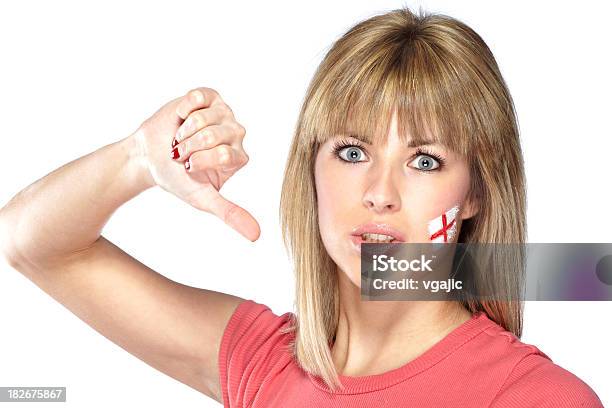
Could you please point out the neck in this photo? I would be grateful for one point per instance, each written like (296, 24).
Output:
(399, 331)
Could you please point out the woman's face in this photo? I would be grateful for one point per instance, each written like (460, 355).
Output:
(417, 194)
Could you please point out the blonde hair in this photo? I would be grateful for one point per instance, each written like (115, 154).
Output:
(443, 82)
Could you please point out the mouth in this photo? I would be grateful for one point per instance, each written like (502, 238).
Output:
(376, 238)
(375, 233)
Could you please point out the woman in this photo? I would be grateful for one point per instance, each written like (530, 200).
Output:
(407, 125)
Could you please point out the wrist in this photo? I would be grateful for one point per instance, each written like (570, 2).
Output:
(137, 164)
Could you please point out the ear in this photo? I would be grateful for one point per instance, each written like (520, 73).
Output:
(470, 208)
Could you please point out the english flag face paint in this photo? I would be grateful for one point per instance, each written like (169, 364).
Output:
(444, 227)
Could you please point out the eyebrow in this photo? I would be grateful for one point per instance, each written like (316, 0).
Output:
(410, 144)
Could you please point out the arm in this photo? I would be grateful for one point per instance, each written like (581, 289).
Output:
(65, 211)
(50, 232)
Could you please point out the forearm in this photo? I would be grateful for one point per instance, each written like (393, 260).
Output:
(65, 211)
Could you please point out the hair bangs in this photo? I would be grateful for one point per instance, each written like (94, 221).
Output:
(407, 78)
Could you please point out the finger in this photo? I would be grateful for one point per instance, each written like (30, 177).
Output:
(199, 119)
(210, 200)
(209, 137)
(197, 98)
(222, 157)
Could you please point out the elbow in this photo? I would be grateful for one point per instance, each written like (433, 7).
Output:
(9, 250)
(7, 245)
(12, 260)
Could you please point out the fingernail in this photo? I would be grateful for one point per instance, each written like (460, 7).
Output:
(174, 142)
(175, 153)
(187, 165)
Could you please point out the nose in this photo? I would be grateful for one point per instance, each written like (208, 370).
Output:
(382, 195)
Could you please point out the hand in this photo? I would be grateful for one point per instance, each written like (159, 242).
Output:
(209, 151)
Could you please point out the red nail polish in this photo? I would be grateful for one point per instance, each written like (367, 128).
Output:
(174, 142)
(175, 153)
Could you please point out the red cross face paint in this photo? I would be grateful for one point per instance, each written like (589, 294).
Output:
(444, 227)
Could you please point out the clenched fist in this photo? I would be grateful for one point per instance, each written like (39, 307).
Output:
(191, 146)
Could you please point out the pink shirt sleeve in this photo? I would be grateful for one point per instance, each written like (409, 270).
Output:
(252, 352)
(537, 382)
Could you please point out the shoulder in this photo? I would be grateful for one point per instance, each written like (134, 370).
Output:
(252, 330)
(255, 347)
(254, 319)
(534, 380)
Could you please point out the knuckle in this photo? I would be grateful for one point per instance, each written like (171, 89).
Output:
(206, 137)
(198, 120)
(213, 92)
(196, 96)
(225, 155)
(225, 109)
(240, 130)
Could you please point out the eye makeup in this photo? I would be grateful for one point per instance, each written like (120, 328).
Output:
(343, 143)
(424, 150)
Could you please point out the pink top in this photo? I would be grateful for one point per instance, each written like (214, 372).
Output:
(478, 364)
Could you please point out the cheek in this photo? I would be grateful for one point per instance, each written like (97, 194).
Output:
(333, 197)
(441, 221)
(443, 228)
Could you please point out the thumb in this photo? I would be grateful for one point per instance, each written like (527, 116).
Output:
(210, 200)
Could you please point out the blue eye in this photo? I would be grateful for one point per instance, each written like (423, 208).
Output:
(351, 154)
(348, 152)
(425, 163)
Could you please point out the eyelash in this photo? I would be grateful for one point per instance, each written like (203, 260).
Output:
(343, 143)
(426, 152)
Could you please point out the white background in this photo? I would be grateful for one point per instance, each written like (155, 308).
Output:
(77, 76)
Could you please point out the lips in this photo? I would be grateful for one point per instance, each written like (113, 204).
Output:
(377, 228)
